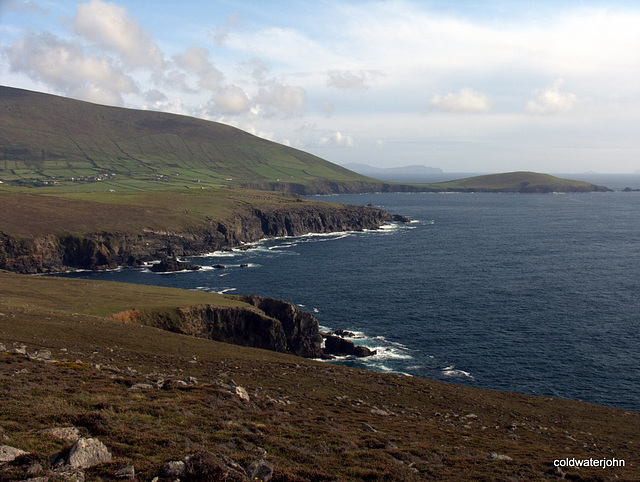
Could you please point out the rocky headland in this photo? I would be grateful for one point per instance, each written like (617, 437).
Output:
(53, 251)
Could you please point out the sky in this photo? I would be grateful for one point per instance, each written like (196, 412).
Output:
(466, 86)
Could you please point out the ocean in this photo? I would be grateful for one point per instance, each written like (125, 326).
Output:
(533, 293)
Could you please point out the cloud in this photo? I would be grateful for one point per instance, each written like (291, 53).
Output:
(108, 26)
(23, 6)
(351, 80)
(551, 100)
(337, 138)
(197, 60)
(278, 98)
(231, 100)
(64, 66)
(466, 101)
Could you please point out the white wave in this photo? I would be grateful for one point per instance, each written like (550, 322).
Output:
(451, 371)
(225, 290)
(316, 310)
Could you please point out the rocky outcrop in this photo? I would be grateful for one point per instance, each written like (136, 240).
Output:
(108, 250)
(335, 345)
(267, 323)
(169, 265)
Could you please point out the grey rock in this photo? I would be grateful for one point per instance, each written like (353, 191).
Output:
(242, 393)
(8, 454)
(260, 470)
(497, 456)
(2, 347)
(141, 386)
(174, 468)
(71, 434)
(128, 472)
(87, 452)
(19, 350)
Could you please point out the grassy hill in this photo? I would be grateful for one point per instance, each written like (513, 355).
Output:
(521, 181)
(122, 383)
(46, 138)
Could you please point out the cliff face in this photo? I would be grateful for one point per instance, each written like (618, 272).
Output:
(269, 324)
(105, 250)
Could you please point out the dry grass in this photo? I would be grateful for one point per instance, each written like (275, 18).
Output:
(315, 421)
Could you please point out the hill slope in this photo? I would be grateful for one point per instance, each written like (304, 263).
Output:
(49, 138)
(152, 396)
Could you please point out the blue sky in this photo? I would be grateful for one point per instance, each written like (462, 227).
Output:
(467, 86)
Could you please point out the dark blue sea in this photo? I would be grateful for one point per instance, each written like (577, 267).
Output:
(536, 294)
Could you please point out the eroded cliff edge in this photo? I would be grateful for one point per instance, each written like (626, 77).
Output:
(265, 323)
(56, 251)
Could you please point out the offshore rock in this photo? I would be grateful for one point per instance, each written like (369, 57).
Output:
(168, 265)
(334, 345)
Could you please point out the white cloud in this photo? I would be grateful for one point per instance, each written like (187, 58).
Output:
(466, 101)
(24, 6)
(109, 26)
(231, 100)
(551, 100)
(197, 60)
(278, 98)
(336, 139)
(68, 69)
(351, 80)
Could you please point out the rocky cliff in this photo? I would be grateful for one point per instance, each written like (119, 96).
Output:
(267, 323)
(104, 250)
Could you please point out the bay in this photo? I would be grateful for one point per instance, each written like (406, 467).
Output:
(528, 293)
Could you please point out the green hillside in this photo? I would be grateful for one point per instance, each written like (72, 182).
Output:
(50, 139)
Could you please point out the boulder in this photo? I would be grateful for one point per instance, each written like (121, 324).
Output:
(260, 470)
(334, 345)
(169, 265)
(71, 434)
(87, 452)
(9, 454)
(173, 468)
(399, 218)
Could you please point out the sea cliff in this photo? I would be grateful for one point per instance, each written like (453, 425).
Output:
(96, 250)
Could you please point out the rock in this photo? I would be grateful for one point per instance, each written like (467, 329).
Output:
(497, 456)
(344, 333)
(141, 386)
(219, 266)
(209, 466)
(19, 350)
(41, 355)
(127, 472)
(260, 470)
(87, 452)
(377, 411)
(169, 265)
(174, 468)
(71, 434)
(398, 218)
(9, 454)
(334, 345)
(365, 427)
(2, 347)
(242, 393)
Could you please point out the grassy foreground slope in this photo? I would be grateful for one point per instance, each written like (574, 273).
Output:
(46, 138)
(307, 419)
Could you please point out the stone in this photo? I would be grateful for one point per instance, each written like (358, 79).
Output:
(497, 456)
(127, 472)
(87, 452)
(260, 470)
(209, 466)
(169, 265)
(9, 454)
(20, 350)
(242, 393)
(71, 434)
(141, 386)
(335, 345)
(173, 468)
